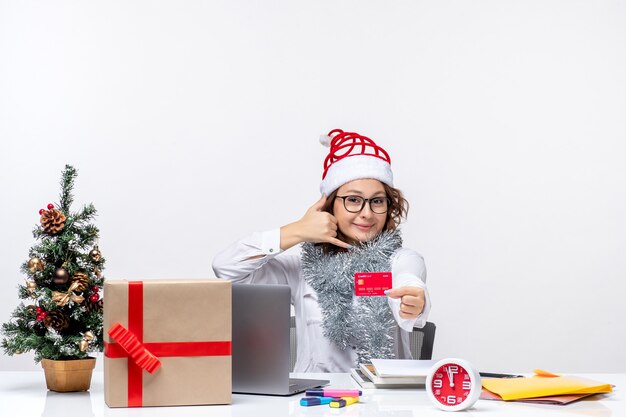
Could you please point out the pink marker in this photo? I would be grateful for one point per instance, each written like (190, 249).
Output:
(333, 392)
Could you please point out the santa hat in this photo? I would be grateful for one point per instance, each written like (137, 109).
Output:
(353, 157)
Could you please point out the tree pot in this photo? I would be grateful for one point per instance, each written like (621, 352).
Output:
(68, 376)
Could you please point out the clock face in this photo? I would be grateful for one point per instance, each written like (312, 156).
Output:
(453, 384)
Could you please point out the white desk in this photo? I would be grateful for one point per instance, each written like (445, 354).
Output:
(24, 394)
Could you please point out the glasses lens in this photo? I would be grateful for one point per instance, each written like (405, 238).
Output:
(353, 203)
(379, 205)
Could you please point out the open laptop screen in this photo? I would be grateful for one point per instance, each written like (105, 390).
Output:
(261, 322)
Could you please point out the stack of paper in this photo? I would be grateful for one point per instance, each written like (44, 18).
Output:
(402, 367)
(544, 387)
(392, 373)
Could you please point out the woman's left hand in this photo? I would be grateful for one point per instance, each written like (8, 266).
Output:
(412, 301)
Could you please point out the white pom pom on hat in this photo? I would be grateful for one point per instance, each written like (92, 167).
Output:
(353, 157)
(325, 140)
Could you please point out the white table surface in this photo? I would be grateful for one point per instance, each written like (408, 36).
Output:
(24, 394)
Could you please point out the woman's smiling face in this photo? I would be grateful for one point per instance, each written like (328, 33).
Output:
(364, 225)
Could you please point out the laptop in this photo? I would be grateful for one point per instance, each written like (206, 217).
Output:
(261, 322)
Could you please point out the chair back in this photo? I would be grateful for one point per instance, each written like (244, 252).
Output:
(421, 341)
(293, 344)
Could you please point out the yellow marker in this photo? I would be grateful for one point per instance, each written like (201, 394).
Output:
(343, 401)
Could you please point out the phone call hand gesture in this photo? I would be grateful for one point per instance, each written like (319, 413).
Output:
(315, 226)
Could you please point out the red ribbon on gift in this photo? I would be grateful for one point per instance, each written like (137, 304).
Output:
(145, 355)
(134, 348)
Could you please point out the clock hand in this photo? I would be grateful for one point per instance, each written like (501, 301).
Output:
(450, 377)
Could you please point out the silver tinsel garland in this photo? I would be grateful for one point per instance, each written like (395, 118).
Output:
(365, 324)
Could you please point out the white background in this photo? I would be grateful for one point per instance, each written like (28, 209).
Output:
(193, 123)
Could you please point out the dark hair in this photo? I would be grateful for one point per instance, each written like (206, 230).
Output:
(398, 210)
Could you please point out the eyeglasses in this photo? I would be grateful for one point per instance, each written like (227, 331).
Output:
(354, 203)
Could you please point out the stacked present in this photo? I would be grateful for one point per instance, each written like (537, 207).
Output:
(167, 343)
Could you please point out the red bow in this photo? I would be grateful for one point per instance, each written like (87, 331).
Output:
(135, 349)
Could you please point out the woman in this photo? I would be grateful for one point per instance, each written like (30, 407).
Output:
(351, 229)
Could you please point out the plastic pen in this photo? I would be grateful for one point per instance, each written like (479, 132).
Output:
(492, 375)
(311, 401)
(342, 402)
(333, 392)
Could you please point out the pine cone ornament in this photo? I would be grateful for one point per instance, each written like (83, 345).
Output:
(52, 221)
(56, 320)
(83, 281)
(91, 307)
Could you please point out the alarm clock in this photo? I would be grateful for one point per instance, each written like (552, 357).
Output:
(453, 384)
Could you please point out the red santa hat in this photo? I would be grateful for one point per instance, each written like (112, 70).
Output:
(353, 157)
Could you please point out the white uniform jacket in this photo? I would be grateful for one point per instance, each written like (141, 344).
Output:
(258, 259)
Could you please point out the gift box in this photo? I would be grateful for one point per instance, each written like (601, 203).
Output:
(167, 343)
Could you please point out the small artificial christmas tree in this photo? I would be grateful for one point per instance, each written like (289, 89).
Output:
(62, 317)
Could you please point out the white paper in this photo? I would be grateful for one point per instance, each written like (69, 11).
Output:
(402, 367)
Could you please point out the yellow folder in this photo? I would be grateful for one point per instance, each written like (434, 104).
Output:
(543, 386)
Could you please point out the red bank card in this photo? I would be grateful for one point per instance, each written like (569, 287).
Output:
(371, 283)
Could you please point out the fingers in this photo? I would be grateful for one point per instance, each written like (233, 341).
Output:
(402, 291)
(411, 315)
(327, 223)
(332, 235)
(318, 226)
(319, 204)
(324, 223)
(410, 311)
(339, 243)
(396, 292)
(330, 224)
(411, 300)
